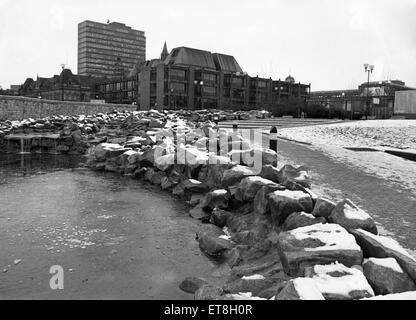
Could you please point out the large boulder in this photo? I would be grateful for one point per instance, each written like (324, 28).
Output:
(164, 163)
(385, 247)
(338, 282)
(214, 245)
(248, 187)
(317, 244)
(192, 284)
(135, 142)
(189, 186)
(283, 203)
(156, 123)
(212, 174)
(260, 202)
(210, 230)
(235, 175)
(134, 158)
(300, 289)
(199, 213)
(323, 208)
(348, 215)
(270, 172)
(106, 151)
(298, 175)
(165, 183)
(221, 218)
(254, 284)
(301, 219)
(256, 157)
(216, 199)
(386, 276)
(156, 177)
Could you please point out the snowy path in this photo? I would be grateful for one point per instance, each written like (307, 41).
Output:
(391, 203)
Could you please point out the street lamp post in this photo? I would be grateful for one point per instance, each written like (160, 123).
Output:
(369, 69)
(199, 85)
(170, 99)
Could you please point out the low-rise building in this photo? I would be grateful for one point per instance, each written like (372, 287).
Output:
(65, 87)
(188, 78)
(375, 99)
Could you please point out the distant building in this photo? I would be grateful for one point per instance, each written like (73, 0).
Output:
(352, 104)
(188, 78)
(109, 50)
(13, 91)
(65, 87)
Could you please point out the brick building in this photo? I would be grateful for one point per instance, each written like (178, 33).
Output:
(188, 78)
(64, 87)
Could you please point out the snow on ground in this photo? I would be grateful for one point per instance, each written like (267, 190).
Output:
(331, 139)
(400, 134)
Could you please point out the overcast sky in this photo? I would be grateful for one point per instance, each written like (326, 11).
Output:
(322, 42)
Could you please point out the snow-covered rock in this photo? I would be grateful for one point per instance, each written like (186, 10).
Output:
(235, 175)
(214, 246)
(244, 296)
(317, 244)
(189, 186)
(260, 203)
(216, 199)
(298, 175)
(386, 276)
(283, 203)
(270, 172)
(248, 187)
(300, 289)
(104, 151)
(301, 219)
(350, 216)
(385, 247)
(323, 207)
(338, 282)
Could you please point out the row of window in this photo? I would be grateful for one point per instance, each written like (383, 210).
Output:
(111, 42)
(101, 26)
(104, 50)
(118, 86)
(115, 34)
(101, 60)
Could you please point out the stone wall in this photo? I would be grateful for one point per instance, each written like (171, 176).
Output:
(19, 108)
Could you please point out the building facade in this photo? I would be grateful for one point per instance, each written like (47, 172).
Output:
(375, 99)
(109, 50)
(194, 79)
(64, 87)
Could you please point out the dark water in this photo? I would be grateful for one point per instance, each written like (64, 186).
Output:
(116, 238)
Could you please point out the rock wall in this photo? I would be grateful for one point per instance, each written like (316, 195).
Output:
(272, 238)
(19, 108)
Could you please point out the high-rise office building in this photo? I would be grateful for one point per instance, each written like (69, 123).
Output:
(109, 50)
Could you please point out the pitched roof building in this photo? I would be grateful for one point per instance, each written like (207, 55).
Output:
(65, 87)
